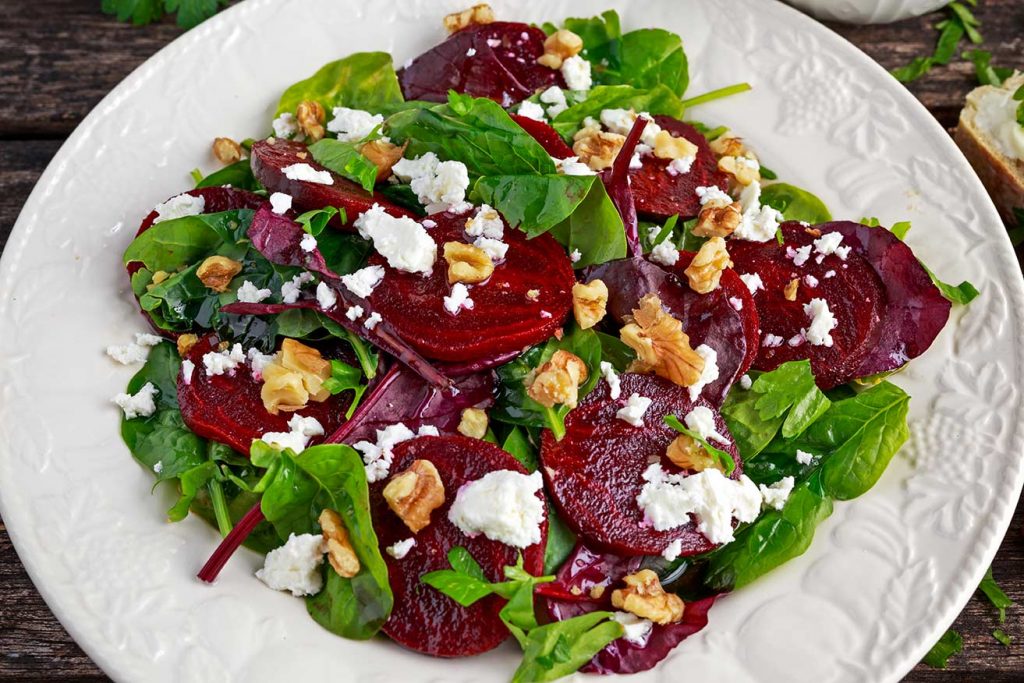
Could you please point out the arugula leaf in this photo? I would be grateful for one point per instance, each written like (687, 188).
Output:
(364, 80)
(562, 647)
(657, 100)
(795, 204)
(594, 227)
(238, 175)
(344, 159)
(995, 595)
(724, 459)
(951, 643)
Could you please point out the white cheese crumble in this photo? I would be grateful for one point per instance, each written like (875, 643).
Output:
(285, 126)
(803, 457)
(141, 404)
(799, 256)
(757, 223)
(776, 495)
(280, 203)
(352, 125)
(257, 362)
(402, 241)
(554, 97)
(158, 466)
(136, 352)
(503, 506)
(822, 323)
(291, 290)
(249, 293)
(702, 421)
(187, 368)
(307, 173)
(633, 411)
(572, 166)
(736, 303)
(712, 194)
(772, 341)
(325, 296)
(672, 550)
(532, 110)
(665, 253)
(307, 243)
(681, 166)
(636, 629)
(179, 207)
(746, 382)
(354, 313)
(710, 372)
(752, 281)
(829, 243)
(830, 274)
(372, 321)
(302, 429)
(439, 185)
(496, 249)
(486, 223)
(363, 281)
(220, 362)
(295, 566)
(377, 457)
(810, 281)
(471, 52)
(576, 72)
(399, 549)
(612, 377)
(575, 256)
(458, 300)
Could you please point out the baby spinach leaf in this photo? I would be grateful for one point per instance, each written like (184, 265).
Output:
(724, 459)
(465, 582)
(561, 541)
(313, 222)
(951, 643)
(344, 159)
(602, 39)
(345, 377)
(790, 387)
(999, 599)
(238, 175)
(795, 204)
(594, 228)
(657, 100)
(172, 244)
(651, 57)
(560, 648)
(364, 80)
(519, 447)
(538, 203)
(615, 351)
(961, 294)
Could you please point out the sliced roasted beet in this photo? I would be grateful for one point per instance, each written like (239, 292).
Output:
(659, 194)
(851, 287)
(586, 570)
(270, 158)
(497, 60)
(228, 409)
(915, 310)
(279, 239)
(547, 136)
(217, 199)
(594, 473)
(711, 319)
(424, 619)
(503, 318)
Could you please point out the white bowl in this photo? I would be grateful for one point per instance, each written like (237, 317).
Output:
(867, 11)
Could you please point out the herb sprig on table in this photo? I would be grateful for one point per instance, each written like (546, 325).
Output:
(959, 23)
(140, 12)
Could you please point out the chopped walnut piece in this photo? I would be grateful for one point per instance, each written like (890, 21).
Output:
(728, 146)
(532, 294)
(718, 220)
(310, 116)
(477, 14)
(282, 390)
(383, 155)
(589, 303)
(597, 149)
(216, 272)
(340, 552)
(790, 291)
(687, 453)
(645, 597)
(558, 47)
(308, 362)
(415, 493)
(473, 423)
(226, 150)
(596, 591)
(668, 146)
(813, 232)
(294, 378)
(744, 170)
(186, 342)
(705, 271)
(558, 380)
(661, 345)
(467, 263)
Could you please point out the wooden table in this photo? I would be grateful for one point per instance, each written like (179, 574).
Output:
(59, 57)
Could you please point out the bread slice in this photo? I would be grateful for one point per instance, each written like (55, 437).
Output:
(1000, 167)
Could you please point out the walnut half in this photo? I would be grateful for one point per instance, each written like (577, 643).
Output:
(310, 116)
(294, 378)
(415, 493)
(589, 302)
(467, 263)
(558, 380)
(340, 552)
(718, 220)
(705, 271)
(596, 148)
(477, 14)
(645, 597)
(474, 423)
(661, 345)
(216, 272)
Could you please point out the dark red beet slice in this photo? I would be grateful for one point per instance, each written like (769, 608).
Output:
(915, 310)
(586, 569)
(497, 60)
(707, 318)
(217, 199)
(228, 408)
(269, 159)
(594, 473)
(547, 136)
(852, 288)
(503, 318)
(659, 194)
(423, 618)
(279, 239)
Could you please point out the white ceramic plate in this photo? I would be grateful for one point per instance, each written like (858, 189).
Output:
(885, 575)
(868, 11)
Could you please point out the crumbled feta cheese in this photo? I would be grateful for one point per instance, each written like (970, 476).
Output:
(757, 223)
(308, 174)
(363, 281)
(249, 293)
(575, 256)
(354, 313)
(772, 341)
(493, 42)
(668, 500)
(158, 466)
(372, 322)
(681, 166)
(136, 352)
(736, 303)
(439, 185)
(830, 274)
(554, 97)
(702, 421)
(503, 506)
(302, 429)
(752, 281)
(458, 300)
(280, 203)
(665, 253)
(377, 457)
(829, 243)
(635, 162)
(285, 126)
(291, 290)
(399, 549)
(471, 52)
(407, 169)
(618, 121)
(810, 281)
(179, 207)
(308, 243)
(532, 110)
(402, 241)
(428, 430)
(776, 495)
(636, 630)
(710, 372)
(496, 249)
(803, 457)
(353, 125)
(797, 339)
(187, 368)
(612, 377)
(486, 223)
(712, 193)
(572, 166)
(295, 566)
(672, 550)
(576, 72)
(746, 382)
(141, 404)
(220, 362)
(799, 256)
(258, 361)
(822, 322)
(633, 411)
(325, 296)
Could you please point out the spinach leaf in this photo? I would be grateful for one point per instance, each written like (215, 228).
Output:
(345, 377)
(961, 294)
(344, 159)
(344, 252)
(561, 541)
(594, 228)
(657, 100)
(538, 203)
(238, 175)
(172, 244)
(795, 204)
(601, 39)
(615, 351)
(465, 582)
(999, 599)
(562, 647)
(364, 80)
(651, 57)
(518, 445)
(951, 643)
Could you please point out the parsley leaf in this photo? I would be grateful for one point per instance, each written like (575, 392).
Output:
(951, 643)
(193, 12)
(995, 595)
(960, 22)
(139, 12)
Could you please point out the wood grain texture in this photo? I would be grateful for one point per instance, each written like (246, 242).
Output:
(58, 58)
